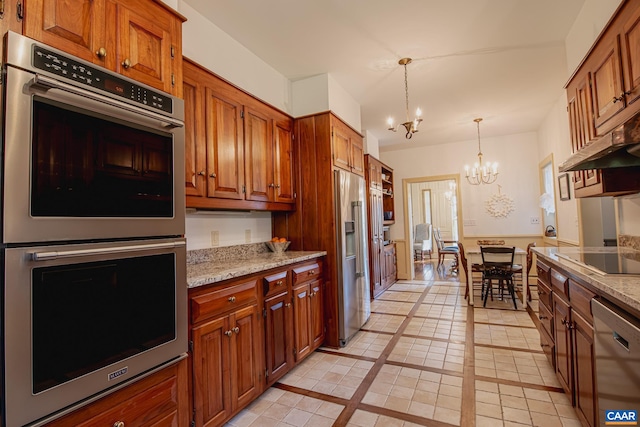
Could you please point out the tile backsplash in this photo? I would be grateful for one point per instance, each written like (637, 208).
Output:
(226, 253)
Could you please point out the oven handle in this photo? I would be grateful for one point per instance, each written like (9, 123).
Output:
(50, 255)
(41, 80)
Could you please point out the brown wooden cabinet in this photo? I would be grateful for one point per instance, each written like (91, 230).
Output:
(308, 307)
(348, 148)
(140, 39)
(160, 399)
(278, 326)
(602, 95)
(239, 151)
(228, 358)
(382, 267)
(566, 335)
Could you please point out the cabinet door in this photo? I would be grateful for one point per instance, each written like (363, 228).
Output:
(341, 145)
(278, 339)
(144, 36)
(283, 160)
(375, 199)
(357, 155)
(247, 356)
(194, 128)
(211, 364)
(630, 51)
(225, 160)
(316, 318)
(606, 83)
(592, 177)
(585, 119)
(301, 316)
(586, 399)
(258, 151)
(562, 321)
(74, 26)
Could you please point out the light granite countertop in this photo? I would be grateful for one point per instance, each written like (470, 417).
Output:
(619, 288)
(206, 271)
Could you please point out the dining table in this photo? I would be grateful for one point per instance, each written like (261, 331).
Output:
(474, 256)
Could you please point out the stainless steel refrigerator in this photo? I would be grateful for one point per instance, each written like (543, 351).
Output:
(352, 254)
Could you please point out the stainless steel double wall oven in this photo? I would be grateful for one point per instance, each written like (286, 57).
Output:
(94, 284)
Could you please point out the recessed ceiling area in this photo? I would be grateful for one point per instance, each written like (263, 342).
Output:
(503, 60)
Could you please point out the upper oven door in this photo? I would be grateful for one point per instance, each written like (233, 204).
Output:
(79, 165)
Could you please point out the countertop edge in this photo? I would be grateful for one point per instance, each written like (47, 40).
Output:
(213, 272)
(620, 288)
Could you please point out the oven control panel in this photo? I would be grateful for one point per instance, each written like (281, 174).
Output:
(73, 70)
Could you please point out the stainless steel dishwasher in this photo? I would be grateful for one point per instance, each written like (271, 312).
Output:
(617, 353)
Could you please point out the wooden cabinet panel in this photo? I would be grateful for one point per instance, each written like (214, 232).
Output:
(546, 319)
(316, 308)
(222, 300)
(341, 147)
(389, 265)
(246, 356)
(145, 44)
(302, 319)
(278, 336)
(283, 161)
(211, 361)
(357, 156)
(195, 148)
(74, 26)
(585, 397)
(225, 158)
(630, 48)
(161, 399)
(276, 283)
(258, 149)
(564, 354)
(139, 39)
(306, 272)
(607, 83)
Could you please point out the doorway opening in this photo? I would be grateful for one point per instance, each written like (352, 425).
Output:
(431, 203)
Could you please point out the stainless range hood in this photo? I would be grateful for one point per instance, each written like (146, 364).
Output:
(619, 148)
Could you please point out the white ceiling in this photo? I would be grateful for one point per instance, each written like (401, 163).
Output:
(503, 60)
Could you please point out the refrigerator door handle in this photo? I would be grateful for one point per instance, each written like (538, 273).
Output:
(357, 218)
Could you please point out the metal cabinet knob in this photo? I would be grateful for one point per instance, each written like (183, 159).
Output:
(202, 173)
(236, 330)
(232, 299)
(277, 185)
(212, 175)
(288, 305)
(126, 63)
(118, 424)
(228, 333)
(279, 283)
(542, 317)
(101, 53)
(312, 272)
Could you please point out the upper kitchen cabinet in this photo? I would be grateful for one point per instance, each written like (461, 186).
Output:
(602, 94)
(140, 39)
(348, 148)
(239, 151)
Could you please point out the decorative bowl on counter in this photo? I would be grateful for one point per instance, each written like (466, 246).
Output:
(278, 247)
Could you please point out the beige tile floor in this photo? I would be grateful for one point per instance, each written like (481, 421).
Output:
(407, 368)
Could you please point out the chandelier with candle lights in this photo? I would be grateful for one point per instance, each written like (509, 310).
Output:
(411, 126)
(481, 173)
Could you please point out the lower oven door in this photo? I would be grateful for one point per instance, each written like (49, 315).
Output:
(81, 319)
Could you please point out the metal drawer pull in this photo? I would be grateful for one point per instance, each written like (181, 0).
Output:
(43, 256)
(232, 299)
(312, 272)
(288, 305)
(279, 283)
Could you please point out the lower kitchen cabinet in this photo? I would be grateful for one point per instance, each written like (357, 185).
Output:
(390, 271)
(308, 309)
(278, 327)
(161, 399)
(227, 352)
(566, 335)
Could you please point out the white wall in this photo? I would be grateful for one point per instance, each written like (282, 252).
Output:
(517, 156)
(231, 227)
(371, 144)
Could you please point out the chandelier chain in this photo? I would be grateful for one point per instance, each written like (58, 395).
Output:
(406, 91)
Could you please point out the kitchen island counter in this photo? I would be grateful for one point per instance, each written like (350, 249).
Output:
(620, 288)
(208, 266)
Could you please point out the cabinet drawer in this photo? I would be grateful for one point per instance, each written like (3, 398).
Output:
(218, 301)
(275, 283)
(546, 319)
(559, 283)
(581, 299)
(543, 272)
(306, 272)
(544, 294)
(548, 346)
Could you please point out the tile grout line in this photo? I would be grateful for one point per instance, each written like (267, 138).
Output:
(468, 404)
(361, 391)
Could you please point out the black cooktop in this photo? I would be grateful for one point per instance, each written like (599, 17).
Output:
(606, 262)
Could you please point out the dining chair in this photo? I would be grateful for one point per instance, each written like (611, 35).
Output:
(421, 241)
(497, 262)
(475, 268)
(517, 268)
(446, 250)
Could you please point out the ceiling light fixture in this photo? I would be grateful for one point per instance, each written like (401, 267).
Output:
(481, 173)
(410, 126)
